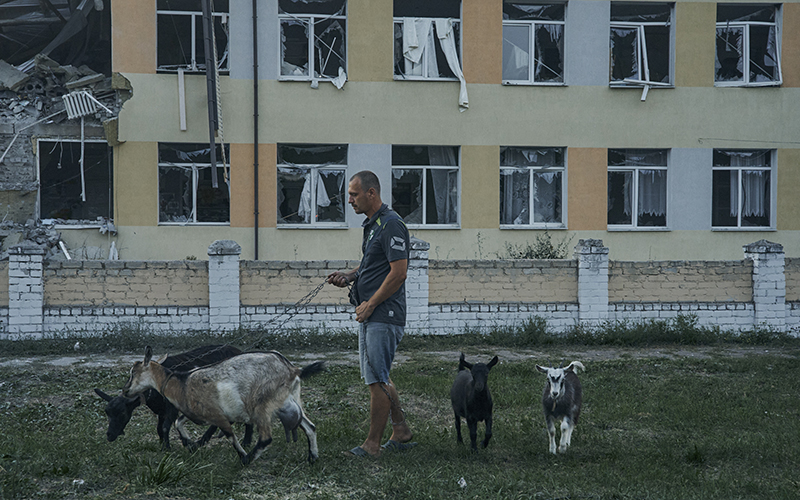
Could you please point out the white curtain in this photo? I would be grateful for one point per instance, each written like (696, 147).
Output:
(418, 38)
(653, 192)
(304, 210)
(444, 30)
(754, 199)
(442, 156)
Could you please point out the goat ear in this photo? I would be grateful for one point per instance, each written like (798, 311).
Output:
(102, 394)
(148, 354)
(541, 369)
(492, 362)
(575, 367)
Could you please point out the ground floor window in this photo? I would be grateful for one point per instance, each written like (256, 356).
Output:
(75, 180)
(425, 184)
(531, 186)
(741, 188)
(312, 184)
(186, 191)
(637, 188)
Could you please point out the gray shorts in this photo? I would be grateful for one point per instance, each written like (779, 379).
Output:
(377, 343)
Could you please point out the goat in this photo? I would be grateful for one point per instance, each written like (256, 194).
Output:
(119, 409)
(561, 400)
(471, 399)
(247, 388)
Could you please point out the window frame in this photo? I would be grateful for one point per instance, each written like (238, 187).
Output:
(771, 168)
(424, 194)
(635, 171)
(222, 168)
(746, 61)
(641, 52)
(562, 169)
(532, 24)
(426, 55)
(310, 18)
(194, 65)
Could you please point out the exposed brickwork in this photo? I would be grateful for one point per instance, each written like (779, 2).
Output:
(792, 271)
(286, 282)
(4, 284)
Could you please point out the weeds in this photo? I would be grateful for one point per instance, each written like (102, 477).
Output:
(541, 248)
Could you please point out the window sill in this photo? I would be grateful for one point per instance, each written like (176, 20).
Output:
(656, 85)
(745, 229)
(624, 229)
(423, 79)
(161, 71)
(309, 226)
(432, 226)
(514, 83)
(302, 79)
(173, 224)
(737, 85)
(532, 227)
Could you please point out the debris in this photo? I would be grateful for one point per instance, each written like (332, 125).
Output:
(10, 77)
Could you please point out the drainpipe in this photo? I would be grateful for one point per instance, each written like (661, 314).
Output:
(255, 125)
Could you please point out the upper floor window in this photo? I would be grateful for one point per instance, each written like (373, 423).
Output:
(180, 39)
(313, 40)
(425, 184)
(75, 181)
(533, 43)
(427, 40)
(186, 192)
(748, 46)
(637, 188)
(741, 193)
(641, 44)
(312, 185)
(531, 186)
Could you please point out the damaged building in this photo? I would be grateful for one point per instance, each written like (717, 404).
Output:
(147, 129)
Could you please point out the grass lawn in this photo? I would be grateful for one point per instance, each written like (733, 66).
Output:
(714, 423)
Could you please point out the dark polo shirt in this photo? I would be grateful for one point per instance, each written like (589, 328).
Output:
(385, 240)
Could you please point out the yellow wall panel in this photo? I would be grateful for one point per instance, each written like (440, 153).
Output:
(695, 44)
(790, 45)
(587, 191)
(370, 37)
(136, 184)
(133, 39)
(788, 180)
(480, 186)
(242, 195)
(482, 41)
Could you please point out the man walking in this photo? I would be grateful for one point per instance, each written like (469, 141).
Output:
(379, 294)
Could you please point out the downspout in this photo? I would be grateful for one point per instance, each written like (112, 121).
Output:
(255, 126)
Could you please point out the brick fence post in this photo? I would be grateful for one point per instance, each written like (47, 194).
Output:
(417, 286)
(223, 285)
(769, 283)
(26, 290)
(592, 281)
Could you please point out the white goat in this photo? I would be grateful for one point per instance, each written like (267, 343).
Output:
(561, 400)
(247, 388)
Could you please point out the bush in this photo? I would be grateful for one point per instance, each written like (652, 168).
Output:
(542, 248)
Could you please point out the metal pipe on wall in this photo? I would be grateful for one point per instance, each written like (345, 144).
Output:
(255, 126)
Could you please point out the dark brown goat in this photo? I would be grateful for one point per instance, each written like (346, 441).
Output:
(472, 400)
(119, 409)
(562, 400)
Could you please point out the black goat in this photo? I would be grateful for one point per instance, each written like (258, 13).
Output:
(119, 409)
(561, 400)
(471, 399)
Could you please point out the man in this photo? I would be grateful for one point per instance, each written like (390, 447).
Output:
(379, 295)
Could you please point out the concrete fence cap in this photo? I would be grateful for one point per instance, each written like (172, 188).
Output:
(224, 247)
(763, 246)
(27, 248)
(418, 244)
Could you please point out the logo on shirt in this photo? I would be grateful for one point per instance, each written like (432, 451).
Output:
(398, 243)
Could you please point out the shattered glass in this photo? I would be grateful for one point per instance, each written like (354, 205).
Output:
(427, 195)
(543, 12)
(531, 177)
(179, 32)
(321, 24)
(186, 192)
(310, 189)
(747, 45)
(640, 42)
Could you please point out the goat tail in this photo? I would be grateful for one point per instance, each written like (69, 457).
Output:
(312, 369)
(576, 366)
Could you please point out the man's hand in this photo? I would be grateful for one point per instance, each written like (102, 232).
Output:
(364, 311)
(339, 279)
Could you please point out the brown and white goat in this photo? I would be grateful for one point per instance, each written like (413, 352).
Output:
(247, 388)
(561, 400)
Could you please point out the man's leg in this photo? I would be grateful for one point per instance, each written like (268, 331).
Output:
(400, 430)
(379, 409)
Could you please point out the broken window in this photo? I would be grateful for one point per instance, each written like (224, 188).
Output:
(640, 44)
(531, 186)
(425, 184)
(313, 40)
(533, 42)
(637, 178)
(312, 187)
(180, 35)
(186, 193)
(741, 194)
(75, 180)
(748, 50)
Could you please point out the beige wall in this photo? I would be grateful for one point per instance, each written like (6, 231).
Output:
(370, 51)
(131, 283)
(695, 44)
(286, 283)
(133, 39)
(680, 281)
(480, 186)
(588, 175)
(790, 45)
(788, 182)
(136, 184)
(497, 281)
(242, 178)
(482, 35)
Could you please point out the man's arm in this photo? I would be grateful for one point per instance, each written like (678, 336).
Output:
(393, 281)
(342, 278)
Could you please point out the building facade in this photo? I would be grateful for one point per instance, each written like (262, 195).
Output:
(670, 131)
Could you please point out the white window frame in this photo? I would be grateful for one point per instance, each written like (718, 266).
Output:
(635, 171)
(314, 169)
(740, 198)
(532, 25)
(224, 59)
(310, 20)
(223, 168)
(426, 55)
(424, 194)
(562, 169)
(745, 26)
(643, 68)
